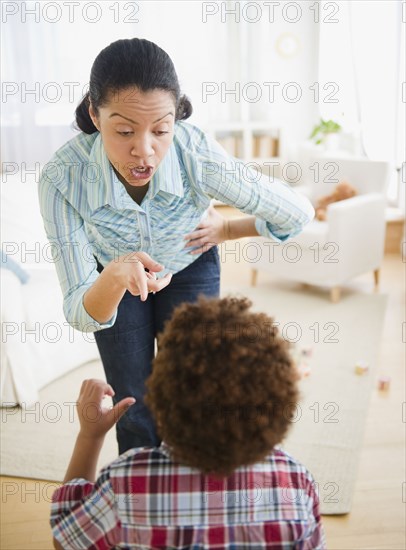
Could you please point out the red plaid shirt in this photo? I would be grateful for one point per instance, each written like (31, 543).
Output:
(143, 500)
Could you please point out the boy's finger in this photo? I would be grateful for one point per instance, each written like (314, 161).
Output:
(109, 390)
(122, 407)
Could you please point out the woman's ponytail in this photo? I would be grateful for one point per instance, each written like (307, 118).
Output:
(184, 109)
(83, 120)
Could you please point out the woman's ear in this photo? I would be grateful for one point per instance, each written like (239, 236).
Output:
(93, 116)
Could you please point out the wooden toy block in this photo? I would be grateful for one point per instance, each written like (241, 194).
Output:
(383, 383)
(361, 367)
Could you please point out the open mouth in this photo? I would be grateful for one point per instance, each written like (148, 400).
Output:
(142, 172)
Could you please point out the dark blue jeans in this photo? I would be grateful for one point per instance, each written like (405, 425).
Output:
(127, 348)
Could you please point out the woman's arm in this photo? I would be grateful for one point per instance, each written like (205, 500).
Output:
(241, 227)
(90, 300)
(280, 212)
(75, 265)
(102, 298)
(125, 273)
(215, 229)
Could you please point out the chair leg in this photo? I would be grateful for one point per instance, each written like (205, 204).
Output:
(254, 276)
(377, 273)
(335, 294)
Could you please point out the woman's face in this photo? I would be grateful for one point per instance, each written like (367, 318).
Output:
(137, 131)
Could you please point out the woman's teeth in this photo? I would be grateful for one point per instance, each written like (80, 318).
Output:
(141, 172)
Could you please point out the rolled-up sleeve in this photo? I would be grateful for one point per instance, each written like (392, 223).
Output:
(84, 514)
(72, 254)
(280, 212)
(314, 538)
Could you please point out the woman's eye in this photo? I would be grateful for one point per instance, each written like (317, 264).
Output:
(125, 134)
(161, 133)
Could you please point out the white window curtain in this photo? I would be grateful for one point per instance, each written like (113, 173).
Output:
(363, 54)
(209, 45)
(46, 65)
(45, 71)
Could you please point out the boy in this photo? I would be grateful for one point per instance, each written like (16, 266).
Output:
(223, 392)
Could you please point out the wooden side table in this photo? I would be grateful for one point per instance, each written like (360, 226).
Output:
(395, 221)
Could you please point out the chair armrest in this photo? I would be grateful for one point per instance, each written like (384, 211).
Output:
(349, 211)
(357, 226)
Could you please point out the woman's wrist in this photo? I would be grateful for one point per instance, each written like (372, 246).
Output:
(227, 230)
(241, 227)
(102, 298)
(111, 274)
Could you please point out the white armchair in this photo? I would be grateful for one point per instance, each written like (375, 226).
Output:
(351, 240)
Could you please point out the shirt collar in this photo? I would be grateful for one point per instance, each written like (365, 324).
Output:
(106, 188)
(168, 177)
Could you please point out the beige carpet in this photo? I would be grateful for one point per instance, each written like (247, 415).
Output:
(328, 432)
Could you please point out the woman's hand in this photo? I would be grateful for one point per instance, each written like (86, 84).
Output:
(96, 420)
(129, 272)
(214, 229)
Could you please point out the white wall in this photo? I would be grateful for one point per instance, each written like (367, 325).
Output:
(213, 48)
(207, 49)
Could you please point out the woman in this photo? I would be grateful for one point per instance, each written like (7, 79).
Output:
(127, 197)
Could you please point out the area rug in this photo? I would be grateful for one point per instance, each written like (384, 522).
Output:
(329, 422)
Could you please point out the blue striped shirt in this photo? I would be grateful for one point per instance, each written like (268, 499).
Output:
(87, 211)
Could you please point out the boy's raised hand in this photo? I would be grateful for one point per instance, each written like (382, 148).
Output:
(96, 420)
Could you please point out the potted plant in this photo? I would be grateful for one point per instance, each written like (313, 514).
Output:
(324, 132)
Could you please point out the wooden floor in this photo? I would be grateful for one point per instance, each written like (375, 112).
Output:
(377, 519)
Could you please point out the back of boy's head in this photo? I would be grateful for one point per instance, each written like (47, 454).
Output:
(223, 387)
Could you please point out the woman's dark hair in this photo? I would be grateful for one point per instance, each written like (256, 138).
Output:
(130, 63)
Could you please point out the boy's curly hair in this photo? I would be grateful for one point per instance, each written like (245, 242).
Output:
(223, 386)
